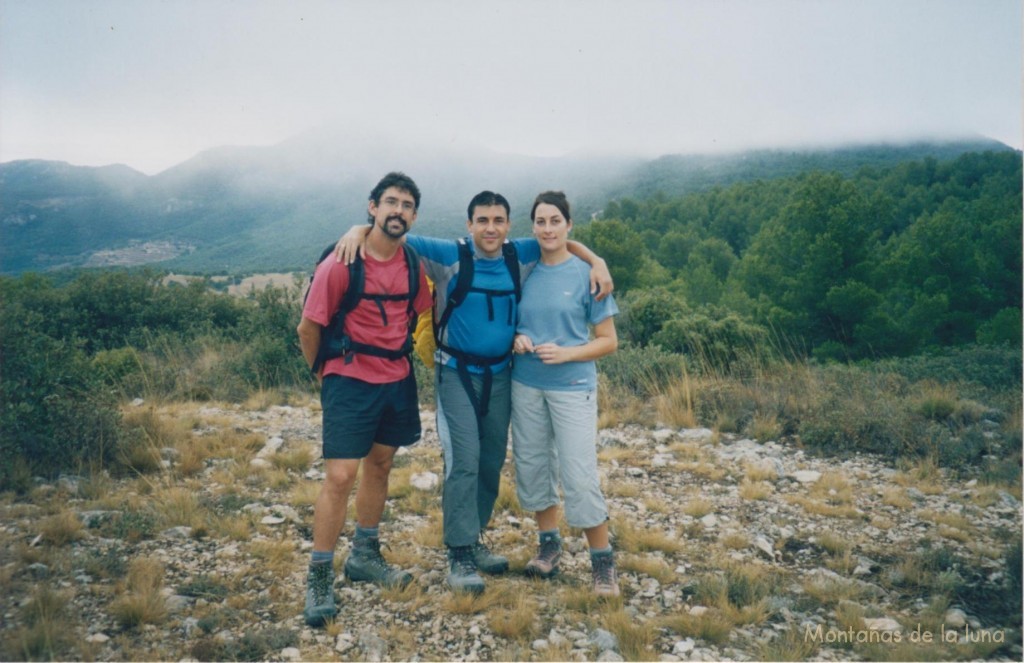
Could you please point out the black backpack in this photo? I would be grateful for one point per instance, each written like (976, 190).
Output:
(463, 286)
(334, 342)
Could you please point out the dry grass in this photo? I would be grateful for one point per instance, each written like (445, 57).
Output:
(277, 558)
(708, 471)
(834, 488)
(821, 508)
(735, 541)
(46, 634)
(517, 621)
(295, 460)
(756, 490)
(791, 645)
(896, 497)
(698, 508)
(463, 603)
(675, 404)
(304, 493)
(636, 637)
(630, 538)
(923, 474)
(740, 592)
(62, 528)
(765, 427)
(179, 506)
(763, 471)
(647, 565)
(657, 505)
(830, 591)
(507, 498)
(622, 489)
(712, 626)
(142, 602)
(834, 544)
(430, 534)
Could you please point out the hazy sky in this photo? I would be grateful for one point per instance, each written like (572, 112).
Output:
(150, 83)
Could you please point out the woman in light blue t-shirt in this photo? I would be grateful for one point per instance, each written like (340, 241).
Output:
(554, 396)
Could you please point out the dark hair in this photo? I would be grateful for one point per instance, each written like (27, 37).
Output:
(556, 198)
(487, 198)
(398, 180)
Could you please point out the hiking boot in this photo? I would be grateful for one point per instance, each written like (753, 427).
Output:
(487, 561)
(319, 595)
(545, 563)
(366, 564)
(462, 575)
(606, 580)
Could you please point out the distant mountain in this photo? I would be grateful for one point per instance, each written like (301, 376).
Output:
(239, 209)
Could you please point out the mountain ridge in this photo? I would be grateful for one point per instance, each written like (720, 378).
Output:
(245, 208)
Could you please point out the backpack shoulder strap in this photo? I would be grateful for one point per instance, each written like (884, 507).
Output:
(412, 263)
(463, 282)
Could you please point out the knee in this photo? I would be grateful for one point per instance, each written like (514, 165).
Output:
(339, 480)
(378, 467)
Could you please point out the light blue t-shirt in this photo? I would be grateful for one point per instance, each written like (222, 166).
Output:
(557, 307)
(483, 325)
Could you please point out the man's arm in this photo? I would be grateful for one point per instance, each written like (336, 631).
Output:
(600, 277)
(351, 243)
(309, 341)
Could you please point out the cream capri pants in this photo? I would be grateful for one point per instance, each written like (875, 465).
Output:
(554, 436)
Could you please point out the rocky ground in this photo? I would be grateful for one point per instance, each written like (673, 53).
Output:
(728, 548)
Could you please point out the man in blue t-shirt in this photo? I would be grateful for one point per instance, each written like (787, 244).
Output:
(473, 385)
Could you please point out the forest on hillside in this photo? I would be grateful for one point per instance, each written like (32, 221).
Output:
(888, 262)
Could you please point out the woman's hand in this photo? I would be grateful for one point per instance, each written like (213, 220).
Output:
(522, 344)
(352, 242)
(549, 353)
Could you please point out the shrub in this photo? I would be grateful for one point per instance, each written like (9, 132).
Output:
(642, 371)
(56, 415)
(715, 341)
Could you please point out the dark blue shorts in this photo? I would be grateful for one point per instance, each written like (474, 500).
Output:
(356, 414)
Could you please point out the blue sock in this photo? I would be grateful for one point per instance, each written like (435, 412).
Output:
(600, 552)
(322, 557)
(367, 532)
(550, 535)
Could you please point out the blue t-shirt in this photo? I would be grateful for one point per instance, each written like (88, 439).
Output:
(557, 307)
(477, 326)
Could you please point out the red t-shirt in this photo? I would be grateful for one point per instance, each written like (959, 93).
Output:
(364, 323)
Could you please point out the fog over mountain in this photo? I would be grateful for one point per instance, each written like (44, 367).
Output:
(272, 208)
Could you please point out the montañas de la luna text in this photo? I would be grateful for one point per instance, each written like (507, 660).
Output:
(851, 635)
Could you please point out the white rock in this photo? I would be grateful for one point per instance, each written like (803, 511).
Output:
(98, 638)
(806, 476)
(684, 647)
(662, 460)
(344, 643)
(272, 520)
(709, 520)
(539, 644)
(696, 434)
(291, 654)
(424, 481)
(886, 624)
(138, 402)
(956, 618)
(765, 547)
(610, 655)
(698, 610)
(260, 463)
(663, 434)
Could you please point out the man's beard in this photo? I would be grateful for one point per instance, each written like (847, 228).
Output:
(390, 233)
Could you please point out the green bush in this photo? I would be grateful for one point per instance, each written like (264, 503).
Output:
(716, 342)
(56, 414)
(642, 371)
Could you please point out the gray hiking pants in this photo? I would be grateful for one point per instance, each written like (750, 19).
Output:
(473, 457)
